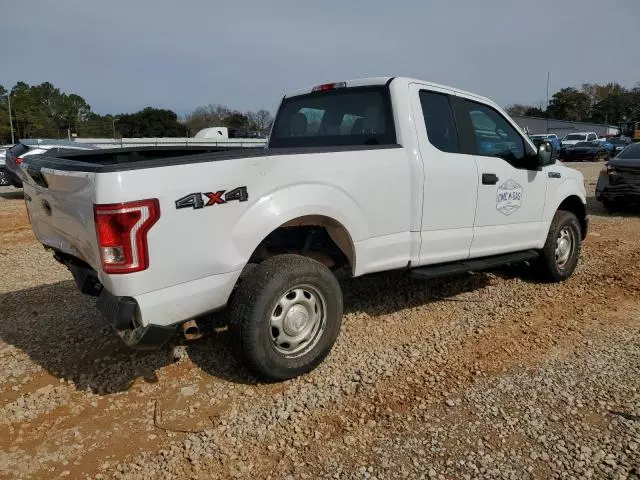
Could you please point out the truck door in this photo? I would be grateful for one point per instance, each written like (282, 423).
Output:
(450, 178)
(511, 190)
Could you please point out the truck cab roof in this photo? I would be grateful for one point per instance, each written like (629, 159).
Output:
(376, 81)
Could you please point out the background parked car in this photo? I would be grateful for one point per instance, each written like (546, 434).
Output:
(4, 178)
(573, 138)
(608, 146)
(584, 151)
(16, 154)
(619, 143)
(619, 181)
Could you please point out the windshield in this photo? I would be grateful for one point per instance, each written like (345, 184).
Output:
(575, 136)
(632, 151)
(346, 116)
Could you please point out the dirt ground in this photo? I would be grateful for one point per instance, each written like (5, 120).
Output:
(482, 376)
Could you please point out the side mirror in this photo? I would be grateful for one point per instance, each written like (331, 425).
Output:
(545, 154)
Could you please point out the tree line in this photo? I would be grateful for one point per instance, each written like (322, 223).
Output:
(609, 103)
(44, 111)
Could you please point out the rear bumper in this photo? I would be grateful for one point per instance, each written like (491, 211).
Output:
(121, 312)
(147, 321)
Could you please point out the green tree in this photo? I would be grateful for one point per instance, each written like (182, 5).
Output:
(237, 120)
(205, 117)
(28, 117)
(5, 131)
(151, 122)
(536, 112)
(260, 120)
(517, 109)
(612, 108)
(570, 104)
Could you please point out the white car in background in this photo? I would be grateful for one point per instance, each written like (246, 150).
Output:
(4, 179)
(573, 138)
(15, 155)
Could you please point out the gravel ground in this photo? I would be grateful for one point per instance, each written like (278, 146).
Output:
(484, 376)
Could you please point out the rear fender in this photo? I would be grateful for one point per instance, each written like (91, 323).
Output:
(277, 208)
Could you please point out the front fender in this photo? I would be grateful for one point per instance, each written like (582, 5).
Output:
(291, 202)
(569, 187)
(572, 186)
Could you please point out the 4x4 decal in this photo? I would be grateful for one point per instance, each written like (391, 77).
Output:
(208, 199)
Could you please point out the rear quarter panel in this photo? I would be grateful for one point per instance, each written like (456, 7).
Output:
(363, 190)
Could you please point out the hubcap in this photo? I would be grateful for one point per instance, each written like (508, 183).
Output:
(297, 321)
(564, 246)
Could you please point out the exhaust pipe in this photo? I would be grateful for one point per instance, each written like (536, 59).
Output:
(191, 330)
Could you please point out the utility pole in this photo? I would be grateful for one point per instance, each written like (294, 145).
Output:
(10, 119)
(113, 124)
(547, 109)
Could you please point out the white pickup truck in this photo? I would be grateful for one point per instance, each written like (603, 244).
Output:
(359, 177)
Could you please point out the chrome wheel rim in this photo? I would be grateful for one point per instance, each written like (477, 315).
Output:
(564, 246)
(297, 321)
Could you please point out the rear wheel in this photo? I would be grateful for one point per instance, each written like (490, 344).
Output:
(286, 316)
(561, 251)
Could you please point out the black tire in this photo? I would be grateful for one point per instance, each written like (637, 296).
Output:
(256, 302)
(548, 266)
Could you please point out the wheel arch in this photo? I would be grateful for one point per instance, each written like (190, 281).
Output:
(304, 228)
(575, 205)
(302, 206)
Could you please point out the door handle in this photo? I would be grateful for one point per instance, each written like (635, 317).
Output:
(489, 179)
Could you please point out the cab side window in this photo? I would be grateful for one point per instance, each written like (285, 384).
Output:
(591, 136)
(438, 118)
(494, 136)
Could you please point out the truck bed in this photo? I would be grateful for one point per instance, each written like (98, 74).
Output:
(132, 158)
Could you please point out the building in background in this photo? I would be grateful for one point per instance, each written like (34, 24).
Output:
(536, 125)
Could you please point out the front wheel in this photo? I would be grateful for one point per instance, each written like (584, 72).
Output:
(286, 316)
(560, 254)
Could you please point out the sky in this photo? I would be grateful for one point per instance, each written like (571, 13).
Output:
(122, 56)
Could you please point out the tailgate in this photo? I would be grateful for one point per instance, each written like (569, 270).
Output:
(60, 207)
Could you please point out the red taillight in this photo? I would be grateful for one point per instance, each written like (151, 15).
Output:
(328, 86)
(122, 234)
(19, 160)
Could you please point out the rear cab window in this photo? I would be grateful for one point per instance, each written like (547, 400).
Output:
(439, 121)
(357, 116)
